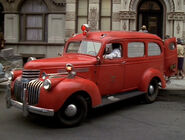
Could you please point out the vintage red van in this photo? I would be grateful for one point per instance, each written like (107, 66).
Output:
(84, 77)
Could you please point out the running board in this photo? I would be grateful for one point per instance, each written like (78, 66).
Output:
(119, 97)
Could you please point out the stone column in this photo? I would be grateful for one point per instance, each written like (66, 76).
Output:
(177, 19)
(56, 26)
(70, 18)
(115, 14)
(128, 19)
(94, 10)
(11, 29)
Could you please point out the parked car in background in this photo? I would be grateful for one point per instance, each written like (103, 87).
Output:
(84, 77)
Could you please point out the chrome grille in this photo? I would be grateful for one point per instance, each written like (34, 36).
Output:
(31, 74)
(33, 90)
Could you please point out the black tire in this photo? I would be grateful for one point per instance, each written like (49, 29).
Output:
(152, 93)
(73, 112)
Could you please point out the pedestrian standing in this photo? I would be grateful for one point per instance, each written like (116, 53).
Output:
(143, 29)
(180, 53)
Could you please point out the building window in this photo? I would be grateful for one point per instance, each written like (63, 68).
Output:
(106, 15)
(33, 21)
(82, 14)
(136, 49)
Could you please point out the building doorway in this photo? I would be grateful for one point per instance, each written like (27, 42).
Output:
(150, 13)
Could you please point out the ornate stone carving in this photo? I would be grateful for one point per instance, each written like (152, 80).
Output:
(125, 3)
(178, 28)
(176, 16)
(59, 2)
(93, 18)
(127, 15)
(124, 26)
(179, 4)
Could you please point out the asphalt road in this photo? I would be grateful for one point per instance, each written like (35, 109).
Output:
(126, 120)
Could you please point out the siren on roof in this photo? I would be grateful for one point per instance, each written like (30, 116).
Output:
(85, 29)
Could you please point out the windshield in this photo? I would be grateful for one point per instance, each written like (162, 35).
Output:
(84, 47)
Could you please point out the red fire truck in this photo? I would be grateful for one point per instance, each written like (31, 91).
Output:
(85, 76)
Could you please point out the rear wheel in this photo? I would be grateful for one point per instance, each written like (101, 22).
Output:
(73, 112)
(152, 93)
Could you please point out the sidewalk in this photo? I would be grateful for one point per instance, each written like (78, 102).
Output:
(175, 87)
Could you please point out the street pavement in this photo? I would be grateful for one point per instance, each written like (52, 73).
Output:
(129, 120)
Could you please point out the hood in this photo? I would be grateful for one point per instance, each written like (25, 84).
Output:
(60, 62)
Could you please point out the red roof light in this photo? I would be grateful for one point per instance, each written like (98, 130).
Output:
(85, 28)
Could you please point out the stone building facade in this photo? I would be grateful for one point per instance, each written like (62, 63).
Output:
(40, 27)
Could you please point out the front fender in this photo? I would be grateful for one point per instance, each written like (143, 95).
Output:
(56, 97)
(148, 76)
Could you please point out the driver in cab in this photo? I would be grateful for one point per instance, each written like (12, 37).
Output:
(112, 51)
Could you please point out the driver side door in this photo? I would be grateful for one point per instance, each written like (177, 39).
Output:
(110, 75)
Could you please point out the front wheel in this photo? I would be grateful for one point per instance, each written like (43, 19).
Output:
(152, 93)
(73, 112)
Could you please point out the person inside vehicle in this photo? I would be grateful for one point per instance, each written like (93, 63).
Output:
(112, 51)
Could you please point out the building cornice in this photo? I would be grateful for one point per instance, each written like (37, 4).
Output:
(127, 15)
(178, 16)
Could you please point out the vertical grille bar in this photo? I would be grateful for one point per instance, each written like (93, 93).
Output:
(34, 91)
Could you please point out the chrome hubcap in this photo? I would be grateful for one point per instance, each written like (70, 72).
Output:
(151, 89)
(71, 110)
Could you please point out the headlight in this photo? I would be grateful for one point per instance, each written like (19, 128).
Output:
(31, 59)
(47, 84)
(9, 75)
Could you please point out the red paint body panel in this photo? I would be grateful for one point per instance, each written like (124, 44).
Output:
(98, 77)
(56, 97)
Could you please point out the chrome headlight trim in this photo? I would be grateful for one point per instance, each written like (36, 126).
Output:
(9, 75)
(31, 59)
(47, 84)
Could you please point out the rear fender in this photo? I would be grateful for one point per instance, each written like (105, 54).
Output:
(148, 76)
(56, 97)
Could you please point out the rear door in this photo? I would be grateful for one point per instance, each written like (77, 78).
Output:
(170, 57)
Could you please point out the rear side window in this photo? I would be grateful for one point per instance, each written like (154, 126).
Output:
(136, 49)
(171, 46)
(153, 49)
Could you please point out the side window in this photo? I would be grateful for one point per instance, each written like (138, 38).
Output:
(113, 50)
(136, 49)
(171, 46)
(153, 49)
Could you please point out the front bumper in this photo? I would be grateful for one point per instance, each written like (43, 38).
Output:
(25, 107)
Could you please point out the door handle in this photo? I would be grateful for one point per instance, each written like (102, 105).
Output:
(123, 62)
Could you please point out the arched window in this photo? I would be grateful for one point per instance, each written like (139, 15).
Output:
(33, 21)
(106, 15)
(82, 14)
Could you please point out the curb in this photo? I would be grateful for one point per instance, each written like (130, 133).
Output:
(173, 92)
